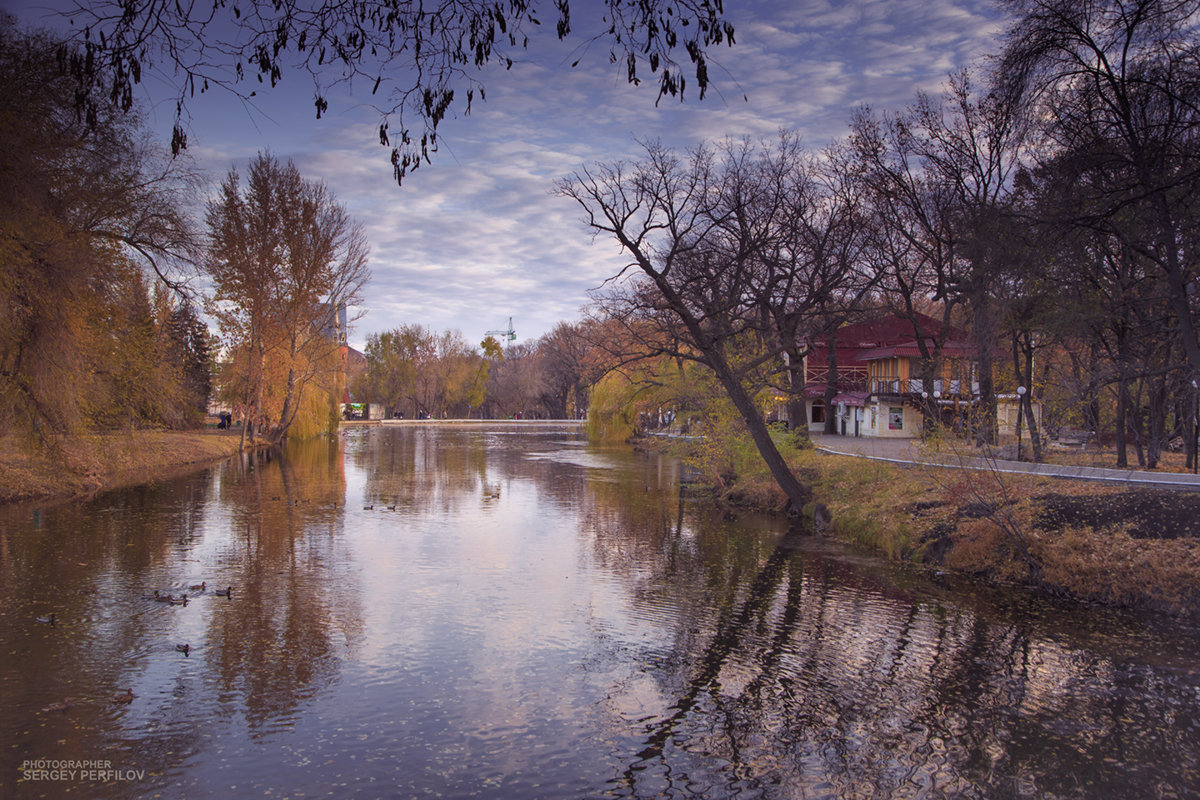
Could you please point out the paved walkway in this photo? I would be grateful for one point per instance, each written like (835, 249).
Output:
(910, 451)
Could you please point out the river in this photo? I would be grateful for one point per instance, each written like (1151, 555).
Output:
(509, 612)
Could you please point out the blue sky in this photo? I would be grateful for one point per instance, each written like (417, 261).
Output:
(479, 236)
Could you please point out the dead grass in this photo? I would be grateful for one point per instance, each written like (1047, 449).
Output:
(1095, 542)
(863, 497)
(75, 465)
(1108, 565)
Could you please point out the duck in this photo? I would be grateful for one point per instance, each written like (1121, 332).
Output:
(179, 601)
(369, 508)
(62, 705)
(226, 592)
(184, 648)
(154, 596)
(164, 598)
(199, 587)
(391, 508)
(124, 697)
(47, 620)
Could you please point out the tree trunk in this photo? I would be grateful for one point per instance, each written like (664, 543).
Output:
(1133, 411)
(831, 384)
(1187, 415)
(798, 495)
(1035, 436)
(288, 412)
(1022, 350)
(1122, 422)
(929, 415)
(797, 408)
(1157, 432)
(986, 410)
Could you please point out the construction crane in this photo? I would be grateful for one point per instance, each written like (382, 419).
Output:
(509, 334)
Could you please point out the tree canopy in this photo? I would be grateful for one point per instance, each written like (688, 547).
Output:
(423, 62)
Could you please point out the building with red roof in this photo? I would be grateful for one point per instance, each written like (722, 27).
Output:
(874, 385)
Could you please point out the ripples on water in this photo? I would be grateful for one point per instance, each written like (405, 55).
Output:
(424, 612)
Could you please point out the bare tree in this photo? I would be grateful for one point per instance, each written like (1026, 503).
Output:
(941, 176)
(1115, 85)
(516, 384)
(565, 353)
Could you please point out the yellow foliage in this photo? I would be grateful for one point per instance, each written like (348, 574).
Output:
(612, 412)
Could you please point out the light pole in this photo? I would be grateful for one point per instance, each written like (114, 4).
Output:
(1020, 408)
(1196, 429)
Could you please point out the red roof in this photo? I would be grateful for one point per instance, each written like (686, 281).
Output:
(912, 350)
(888, 337)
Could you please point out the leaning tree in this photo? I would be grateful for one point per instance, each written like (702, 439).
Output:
(725, 275)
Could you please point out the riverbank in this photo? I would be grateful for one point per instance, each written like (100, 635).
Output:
(82, 465)
(1137, 548)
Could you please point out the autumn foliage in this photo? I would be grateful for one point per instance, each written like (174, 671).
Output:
(87, 212)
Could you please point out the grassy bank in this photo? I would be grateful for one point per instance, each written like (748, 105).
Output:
(79, 465)
(1094, 542)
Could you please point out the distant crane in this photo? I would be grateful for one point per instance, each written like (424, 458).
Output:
(509, 334)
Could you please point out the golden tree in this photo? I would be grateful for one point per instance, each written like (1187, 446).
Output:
(285, 256)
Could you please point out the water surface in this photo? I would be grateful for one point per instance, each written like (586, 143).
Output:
(513, 613)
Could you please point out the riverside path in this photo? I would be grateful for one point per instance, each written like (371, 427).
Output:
(912, 451)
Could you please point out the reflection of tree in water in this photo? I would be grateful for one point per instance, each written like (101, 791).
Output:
(793, 673)
(438, 470)
(88, 562)
(293, 616)
(738, 660)
(421, 471)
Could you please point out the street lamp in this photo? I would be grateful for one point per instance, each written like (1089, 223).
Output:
(926, 416)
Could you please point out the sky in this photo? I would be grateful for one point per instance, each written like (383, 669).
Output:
(478, 236)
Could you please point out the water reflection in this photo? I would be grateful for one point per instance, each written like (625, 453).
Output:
(503, 613)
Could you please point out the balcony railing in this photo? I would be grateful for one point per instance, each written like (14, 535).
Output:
(895, 386)
(916, 386)
(849, 379)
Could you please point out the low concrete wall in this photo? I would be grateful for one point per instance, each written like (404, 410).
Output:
(527, 423)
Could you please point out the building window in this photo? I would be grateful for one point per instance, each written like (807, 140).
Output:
(818, 411)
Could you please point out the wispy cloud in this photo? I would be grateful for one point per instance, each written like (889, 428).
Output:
(479, 236)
